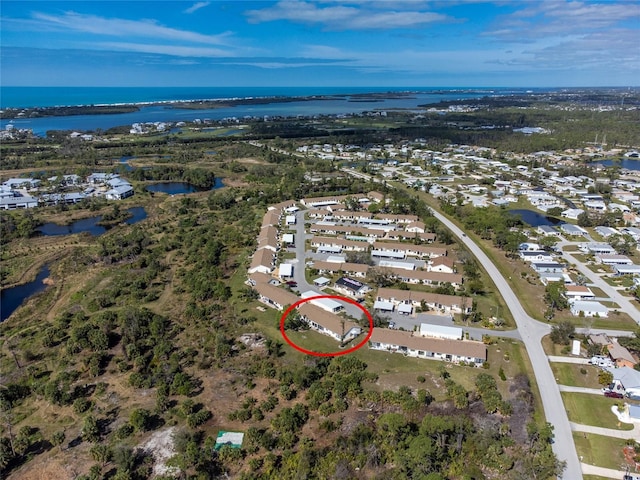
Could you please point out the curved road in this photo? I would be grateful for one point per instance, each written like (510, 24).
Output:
(531, 332)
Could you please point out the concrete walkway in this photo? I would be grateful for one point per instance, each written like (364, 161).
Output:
(571, 389)
(608, 432)
(601, 472)
(560, 359)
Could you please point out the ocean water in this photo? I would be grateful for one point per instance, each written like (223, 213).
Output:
(30, 97)
(165, 112)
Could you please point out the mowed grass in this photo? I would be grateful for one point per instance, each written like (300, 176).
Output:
(599, 450)
(592, 410)
(571, 374)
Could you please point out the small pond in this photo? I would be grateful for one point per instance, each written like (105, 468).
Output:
(177, 188)
(89, 225)
(535, 219)
(12, 298)
(628, 164)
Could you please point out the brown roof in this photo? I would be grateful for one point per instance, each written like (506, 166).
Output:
(270, 218)
(262, 257)
(259, 277)
(447, 261)
(600, 339)
(578, 289)
(276, 294)
(326, 319)
(618, 352)
(438, 345)
(338, 241)
(269, 234)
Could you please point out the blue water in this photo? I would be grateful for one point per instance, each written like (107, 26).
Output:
(50, 96)
(177, 188)
(628, 164)
(29, 97)
(534, 219)
(12, 298)
(88, 225)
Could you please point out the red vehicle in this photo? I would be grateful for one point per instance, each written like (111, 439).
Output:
(292, 284)
(612, 394)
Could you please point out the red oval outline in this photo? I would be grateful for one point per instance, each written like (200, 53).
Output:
(328, 354)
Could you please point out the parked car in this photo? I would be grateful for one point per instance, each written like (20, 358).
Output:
(612, 394)
(292, 284)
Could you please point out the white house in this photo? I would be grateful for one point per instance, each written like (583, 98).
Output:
(588, 309)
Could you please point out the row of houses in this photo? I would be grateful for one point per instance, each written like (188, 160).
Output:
(14, 196)
(434, 275)
(419, 345)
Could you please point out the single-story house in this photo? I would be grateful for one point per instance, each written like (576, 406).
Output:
(613, 259)
(536, 256)
(275, 297)
(547, 267)
(351, 287)
(329, 324)
(418, 346)
(621, 356)
(579, 292)
(546, 230)
(588, 309)
(574, 230)
(626, 269)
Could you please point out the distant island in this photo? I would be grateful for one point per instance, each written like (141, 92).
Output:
(201, 104)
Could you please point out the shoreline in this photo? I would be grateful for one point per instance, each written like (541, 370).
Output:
(16, 113)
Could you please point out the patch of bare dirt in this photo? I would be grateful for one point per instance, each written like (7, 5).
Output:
(160, 445)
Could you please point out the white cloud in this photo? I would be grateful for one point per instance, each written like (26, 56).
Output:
(196, 6)
(175, 50)
(561, 18)
(119, 27)
(341, 17)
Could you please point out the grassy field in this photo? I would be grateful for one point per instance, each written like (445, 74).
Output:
(592, 410)
(599, 450)
(571, 374)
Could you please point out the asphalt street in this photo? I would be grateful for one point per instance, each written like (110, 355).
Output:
(531, 332)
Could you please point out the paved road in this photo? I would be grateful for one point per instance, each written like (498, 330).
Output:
(531, 332)
(299, 267)
(613, 294)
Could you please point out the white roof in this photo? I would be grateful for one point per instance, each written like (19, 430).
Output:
(287, 238)
(383, 305)
(405, 308)
(392, 264)
(441, 331)
(322, 281)
(324, 303)
(336, 259)
(286, 270)
(587, 306)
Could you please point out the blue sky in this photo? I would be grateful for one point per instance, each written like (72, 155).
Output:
(325, 42)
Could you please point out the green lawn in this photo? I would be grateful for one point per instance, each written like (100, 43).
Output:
(599, 450)
(571, 374)
(592, 410)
